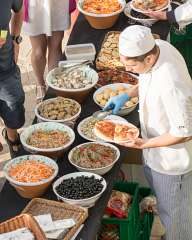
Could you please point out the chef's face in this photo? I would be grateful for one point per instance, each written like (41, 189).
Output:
(137, 66)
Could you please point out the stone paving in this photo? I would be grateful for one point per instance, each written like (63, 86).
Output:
(28, 81)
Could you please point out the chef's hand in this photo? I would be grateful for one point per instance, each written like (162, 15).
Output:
(157, 15)
(138, 143)
(116, 103)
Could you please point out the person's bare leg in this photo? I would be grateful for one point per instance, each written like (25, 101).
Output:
(54, 49)
(12, 134)
(1, 147)
(38, 60)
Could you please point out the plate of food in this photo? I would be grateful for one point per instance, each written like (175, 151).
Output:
(145, 6)
(116, 131)
(138, 16)
(103, 94)
(115, 76)
(85, 129)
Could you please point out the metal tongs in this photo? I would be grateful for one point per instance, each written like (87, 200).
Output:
(100, 115)
(70, 66)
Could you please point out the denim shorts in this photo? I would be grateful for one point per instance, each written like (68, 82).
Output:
(12, 99)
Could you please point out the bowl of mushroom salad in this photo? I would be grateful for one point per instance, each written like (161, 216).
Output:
(59, 109)
(75, 83)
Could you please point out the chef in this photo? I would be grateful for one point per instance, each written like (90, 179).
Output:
(182, 15)
(165, 101)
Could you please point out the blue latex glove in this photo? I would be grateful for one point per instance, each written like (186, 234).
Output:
(116, 103)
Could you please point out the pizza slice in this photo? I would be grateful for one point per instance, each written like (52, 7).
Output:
(125, 133)
(105, 130)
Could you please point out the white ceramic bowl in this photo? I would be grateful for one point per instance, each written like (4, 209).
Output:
(100, 171)
(30, 190)
(125, 110)
(87, 202)
(78, 94)
(144, 21)
(48, 126)
(67, 121)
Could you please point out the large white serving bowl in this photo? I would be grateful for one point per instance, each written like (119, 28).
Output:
(100, 171)
(87, 202)
(78, 94)
(124, 110)
(35, 189)
(101, 21)
(67, 121)
(47, 126)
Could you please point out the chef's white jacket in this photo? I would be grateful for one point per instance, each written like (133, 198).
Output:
(165, 97)
(183, 13)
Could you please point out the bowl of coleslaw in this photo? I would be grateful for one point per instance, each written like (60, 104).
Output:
(31, 175)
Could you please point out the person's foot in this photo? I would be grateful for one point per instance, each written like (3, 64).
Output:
(40, 93)
(15, 146)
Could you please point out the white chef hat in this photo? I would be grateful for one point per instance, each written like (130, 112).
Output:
(135, 41)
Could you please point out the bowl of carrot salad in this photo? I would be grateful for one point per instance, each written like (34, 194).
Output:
(101, 14)
(31, 175)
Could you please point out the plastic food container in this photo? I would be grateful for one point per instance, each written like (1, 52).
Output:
(80, 52)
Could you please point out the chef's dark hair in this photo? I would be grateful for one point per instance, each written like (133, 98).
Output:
(153, 51)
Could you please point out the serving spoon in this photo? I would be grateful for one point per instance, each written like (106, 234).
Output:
(100, 115)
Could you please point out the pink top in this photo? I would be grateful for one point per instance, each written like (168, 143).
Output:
(26, 13)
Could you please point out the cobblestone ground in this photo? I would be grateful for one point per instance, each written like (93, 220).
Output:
(28, 81)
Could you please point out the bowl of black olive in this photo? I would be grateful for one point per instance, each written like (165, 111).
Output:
(80, 188)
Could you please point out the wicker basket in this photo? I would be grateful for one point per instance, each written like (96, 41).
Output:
(23, 220)
(58, 211)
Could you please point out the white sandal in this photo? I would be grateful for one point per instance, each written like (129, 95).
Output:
(40, 93)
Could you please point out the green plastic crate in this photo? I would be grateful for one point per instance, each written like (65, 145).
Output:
(184, 44)
(146, 221)
(122, 229)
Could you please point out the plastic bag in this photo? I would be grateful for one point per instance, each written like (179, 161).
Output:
(118, 204)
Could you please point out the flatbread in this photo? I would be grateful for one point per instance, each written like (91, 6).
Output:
(125, 133)
(111, 131)
(105, 130)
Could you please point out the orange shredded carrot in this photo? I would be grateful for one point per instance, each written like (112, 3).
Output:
(30, 171)
(101, 6)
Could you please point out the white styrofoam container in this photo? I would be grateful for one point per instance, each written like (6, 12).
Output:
(80, 51)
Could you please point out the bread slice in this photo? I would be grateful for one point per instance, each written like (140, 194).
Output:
(125, 133)
(105, 130)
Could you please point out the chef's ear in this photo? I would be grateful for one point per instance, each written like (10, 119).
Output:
(148, 59)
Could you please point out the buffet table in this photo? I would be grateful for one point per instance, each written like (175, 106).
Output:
(12, 204)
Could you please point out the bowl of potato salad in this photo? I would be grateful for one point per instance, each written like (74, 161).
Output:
(103, 94)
